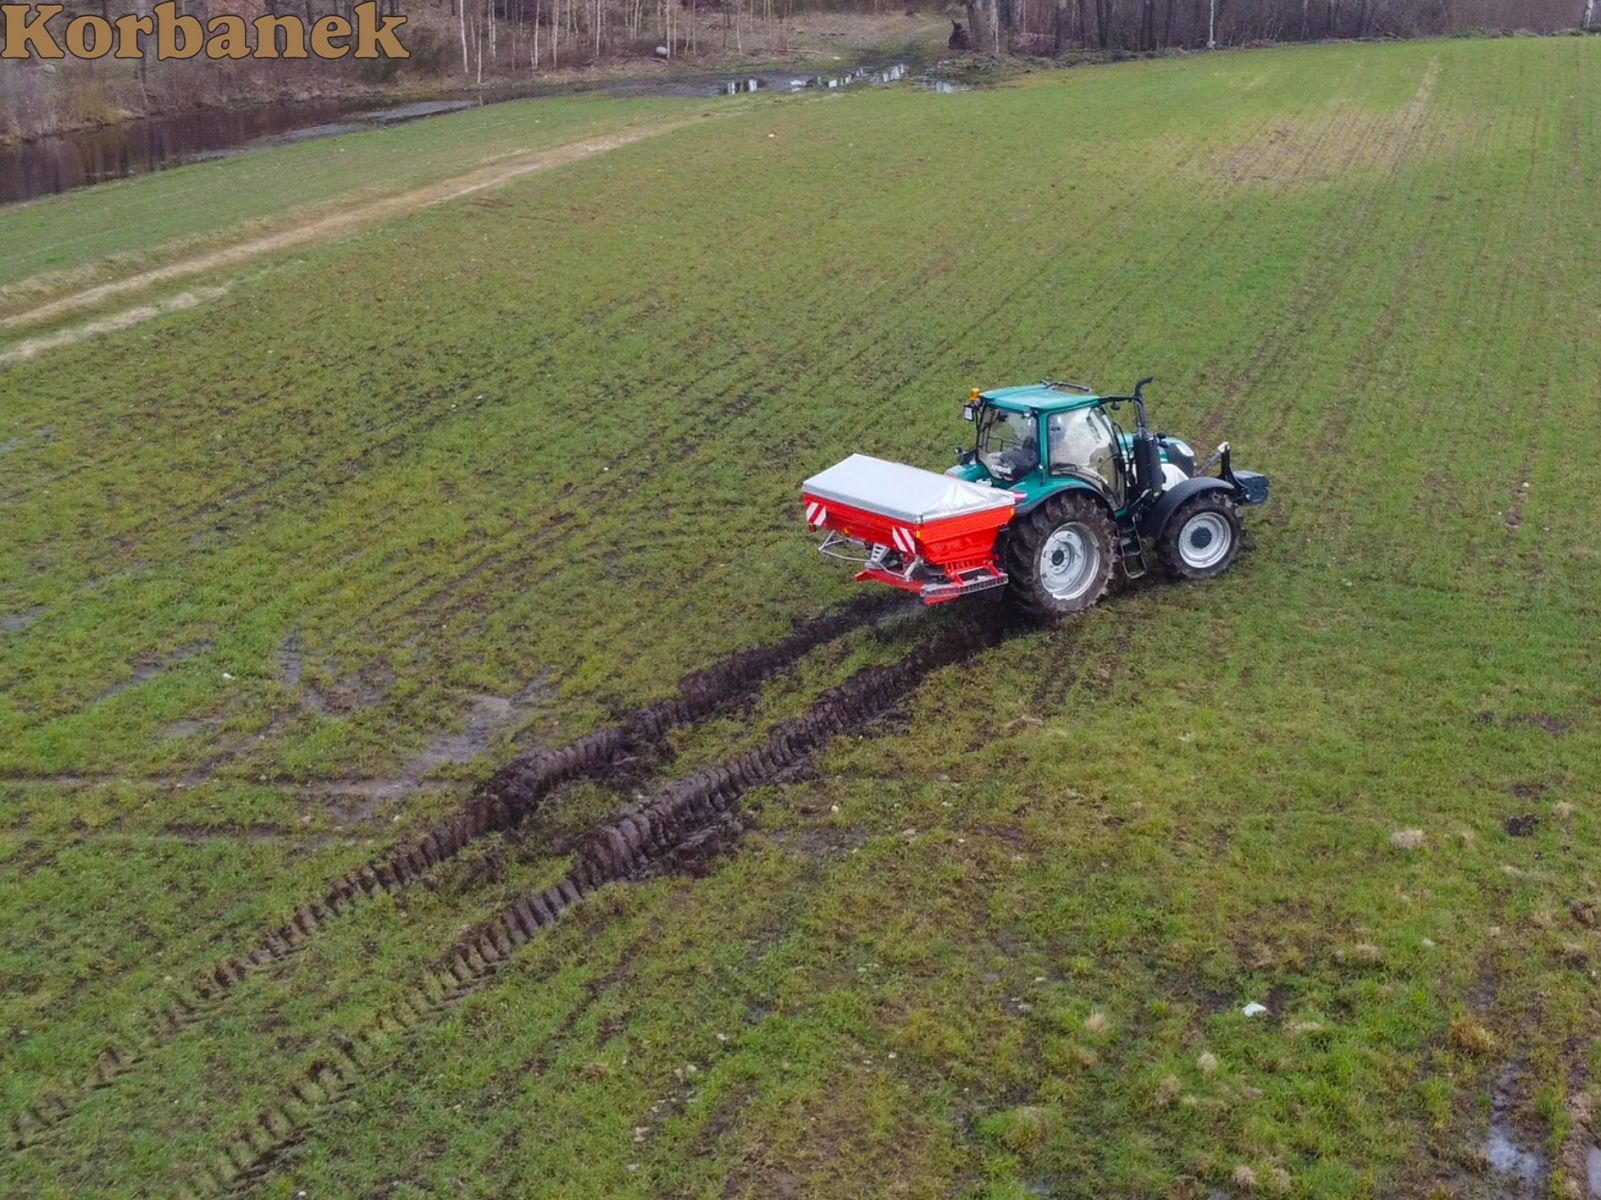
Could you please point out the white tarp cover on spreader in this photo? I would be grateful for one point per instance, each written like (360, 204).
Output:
(906, 493)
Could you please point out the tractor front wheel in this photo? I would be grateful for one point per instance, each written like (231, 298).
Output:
(1060, 556)
(1202, 538)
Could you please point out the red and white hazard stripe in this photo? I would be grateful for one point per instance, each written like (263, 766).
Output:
(816, 514)
(903, 540)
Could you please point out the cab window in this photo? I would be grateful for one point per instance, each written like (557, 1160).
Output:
(1083, 443)
(1008, 445)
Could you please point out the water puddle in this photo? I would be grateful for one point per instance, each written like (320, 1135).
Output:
(13, 622)
(1523, 1168)
(855, 77)
(87, 157)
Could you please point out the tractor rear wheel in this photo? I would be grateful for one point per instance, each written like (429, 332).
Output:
(1060, 556)
(1202, 538)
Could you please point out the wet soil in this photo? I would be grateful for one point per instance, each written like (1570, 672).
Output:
(514, 794)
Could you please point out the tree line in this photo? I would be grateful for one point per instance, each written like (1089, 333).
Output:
(1050, 26)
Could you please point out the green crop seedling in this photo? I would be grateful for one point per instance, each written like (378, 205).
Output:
(435, 763)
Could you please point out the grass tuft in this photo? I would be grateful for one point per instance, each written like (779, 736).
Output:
(1468, 1034)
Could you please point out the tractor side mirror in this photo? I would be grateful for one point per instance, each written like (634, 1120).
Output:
(969, 412)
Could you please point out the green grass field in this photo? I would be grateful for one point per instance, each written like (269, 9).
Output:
(286, 575)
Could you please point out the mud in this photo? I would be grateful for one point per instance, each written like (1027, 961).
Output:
(291, 661)
(15, 622)
(146, 670)
(184, 728)
(1554, 725)
(678, 829)
(510, 797)
(1516, 1158)
(698, 854)
(487, 717)
(637, 840)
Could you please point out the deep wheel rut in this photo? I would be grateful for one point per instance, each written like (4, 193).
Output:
(510, 797)
(637, 841)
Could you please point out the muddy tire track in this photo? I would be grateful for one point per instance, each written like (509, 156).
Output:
(213, 1178)
(673, 827)
(509, 798)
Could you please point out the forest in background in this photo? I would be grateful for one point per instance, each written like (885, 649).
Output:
(476, 43)
(1051, 26)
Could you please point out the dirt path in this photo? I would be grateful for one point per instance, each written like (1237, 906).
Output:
(318, 229)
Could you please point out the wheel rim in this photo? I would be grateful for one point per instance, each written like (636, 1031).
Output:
(1204, 541)
(1069, 561)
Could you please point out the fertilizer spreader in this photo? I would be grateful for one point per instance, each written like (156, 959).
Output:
(1050, 498)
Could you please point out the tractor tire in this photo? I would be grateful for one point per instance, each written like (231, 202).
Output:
(1060, 556)
(1202, 538)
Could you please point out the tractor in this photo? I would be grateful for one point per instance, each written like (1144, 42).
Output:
(1051, 499)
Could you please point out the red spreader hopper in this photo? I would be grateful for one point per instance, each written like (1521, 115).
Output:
(910, 528)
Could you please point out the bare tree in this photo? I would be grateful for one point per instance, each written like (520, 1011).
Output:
(984, 23)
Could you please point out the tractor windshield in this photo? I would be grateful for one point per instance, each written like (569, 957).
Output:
(1008, 444)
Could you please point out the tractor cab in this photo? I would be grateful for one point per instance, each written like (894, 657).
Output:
(1035, 439)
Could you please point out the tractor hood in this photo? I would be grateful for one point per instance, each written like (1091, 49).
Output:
(905, 493)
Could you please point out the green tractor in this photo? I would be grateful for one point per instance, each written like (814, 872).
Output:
(1051, 499)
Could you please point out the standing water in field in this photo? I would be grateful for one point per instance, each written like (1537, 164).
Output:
(84, 157)
(1521, 1166)
(851, 78)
